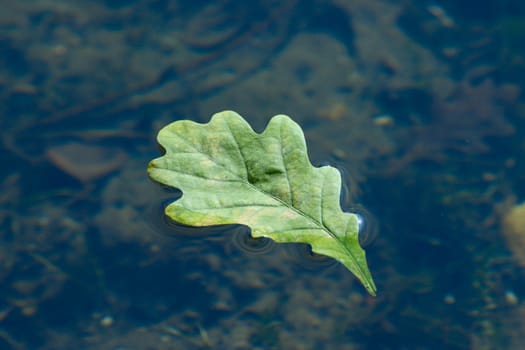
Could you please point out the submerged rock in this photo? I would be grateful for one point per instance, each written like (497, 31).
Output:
(85, 162)
(514, 231)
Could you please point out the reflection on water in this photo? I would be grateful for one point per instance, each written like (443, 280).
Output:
(368, 226)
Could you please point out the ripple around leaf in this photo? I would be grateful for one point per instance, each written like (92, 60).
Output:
(254, 245)
(303, 256)
(229, 174)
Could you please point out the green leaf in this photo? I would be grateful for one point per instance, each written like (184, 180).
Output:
(230, 174)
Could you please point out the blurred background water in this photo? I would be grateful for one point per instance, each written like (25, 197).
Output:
(421, 103)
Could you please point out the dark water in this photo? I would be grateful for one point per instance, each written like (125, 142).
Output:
(420, 104)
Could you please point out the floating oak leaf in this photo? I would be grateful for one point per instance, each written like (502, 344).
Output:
(229, 174)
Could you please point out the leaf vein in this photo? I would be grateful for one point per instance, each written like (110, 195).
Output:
(238, 147)
(290, 192)
(237, 206)
(204, 177)
(204, 154)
